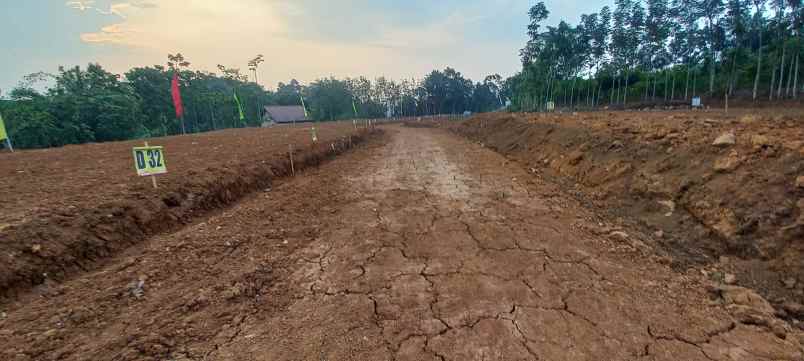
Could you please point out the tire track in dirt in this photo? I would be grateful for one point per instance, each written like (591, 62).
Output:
(426, 248)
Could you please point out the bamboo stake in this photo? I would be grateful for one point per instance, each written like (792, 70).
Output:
(290, 153)
(153, 177)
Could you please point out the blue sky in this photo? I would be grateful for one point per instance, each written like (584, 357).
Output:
(302, 39)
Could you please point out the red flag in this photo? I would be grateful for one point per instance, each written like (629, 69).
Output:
(174, 88)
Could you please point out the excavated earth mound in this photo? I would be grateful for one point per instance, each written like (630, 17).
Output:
(715, 189)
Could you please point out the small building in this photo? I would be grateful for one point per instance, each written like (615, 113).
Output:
(284, 114)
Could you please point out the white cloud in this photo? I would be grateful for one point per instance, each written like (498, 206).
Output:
(171, 24)
(118, 8)
(81, 5)
(112, 34)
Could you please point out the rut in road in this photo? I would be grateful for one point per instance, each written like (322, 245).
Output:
(427, 247)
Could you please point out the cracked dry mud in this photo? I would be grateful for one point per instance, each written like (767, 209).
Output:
(425, 247)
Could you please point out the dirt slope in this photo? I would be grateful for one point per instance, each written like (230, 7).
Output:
(65, 209)
(425, 247)
(735, 206)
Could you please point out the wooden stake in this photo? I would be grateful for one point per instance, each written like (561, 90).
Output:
(153, 177)
(290, 153)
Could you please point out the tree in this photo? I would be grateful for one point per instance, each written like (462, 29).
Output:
(537, 14)
(152, 85)
(796, 10)
(177, 62)
(96, 99)
(495, 85)
(759, 9)
(657, 32)
(254, 64)
(781, 34)
(619, 47)
(711, 10)
(289, 94)
(329, 99)
(28, 121)
(737, 24)
(600, 37)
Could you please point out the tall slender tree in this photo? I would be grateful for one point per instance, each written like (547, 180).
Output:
(737, 18)
(537, 14)
(759, 20)
(657, 32)
(711, 10)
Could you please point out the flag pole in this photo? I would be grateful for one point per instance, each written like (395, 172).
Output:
(304, 107)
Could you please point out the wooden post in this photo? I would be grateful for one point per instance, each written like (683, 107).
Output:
(153, 177)
(727, 103)
(290, 153)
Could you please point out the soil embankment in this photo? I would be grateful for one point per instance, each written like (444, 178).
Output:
(66, 209)
(723, 190)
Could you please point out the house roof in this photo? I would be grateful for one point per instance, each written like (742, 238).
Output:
(286, 113)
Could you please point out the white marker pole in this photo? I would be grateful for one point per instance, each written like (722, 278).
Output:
(8, 141)
(153, 177)
(290, 153)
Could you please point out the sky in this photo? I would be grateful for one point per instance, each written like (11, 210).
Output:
(300, 39)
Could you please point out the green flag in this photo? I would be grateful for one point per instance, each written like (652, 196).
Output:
(354, 107)
(304, 107)
(239, 107)
(3, 134)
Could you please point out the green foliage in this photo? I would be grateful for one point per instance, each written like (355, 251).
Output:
(95, 101)
(93, 105)
(288, 94)
(661, 51)
(330, 99)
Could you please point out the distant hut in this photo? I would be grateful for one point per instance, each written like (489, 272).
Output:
(283, 114)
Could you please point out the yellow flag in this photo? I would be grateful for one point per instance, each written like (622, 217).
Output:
(3, 134)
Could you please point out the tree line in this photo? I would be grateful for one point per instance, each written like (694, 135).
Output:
(91, 104)
(661, 51)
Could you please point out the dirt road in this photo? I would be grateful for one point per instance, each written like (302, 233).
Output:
(420, 247)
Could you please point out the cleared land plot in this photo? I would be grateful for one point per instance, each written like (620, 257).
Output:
(65, 208)
(421, 246)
